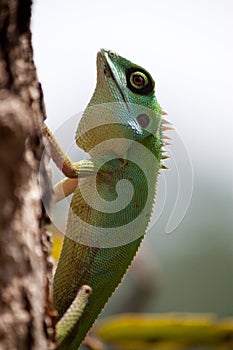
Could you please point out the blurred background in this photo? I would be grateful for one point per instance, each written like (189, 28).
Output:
(187, 47)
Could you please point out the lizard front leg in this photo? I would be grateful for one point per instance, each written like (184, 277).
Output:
(72, 170)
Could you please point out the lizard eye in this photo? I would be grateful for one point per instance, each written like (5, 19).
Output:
(139, 81)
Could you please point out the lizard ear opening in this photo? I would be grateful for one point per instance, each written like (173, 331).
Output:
(143, 120)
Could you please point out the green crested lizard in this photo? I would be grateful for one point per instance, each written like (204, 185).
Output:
(114, 192)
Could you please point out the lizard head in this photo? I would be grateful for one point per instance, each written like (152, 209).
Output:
(124, 97)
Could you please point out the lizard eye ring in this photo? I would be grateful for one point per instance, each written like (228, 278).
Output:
(139, 81)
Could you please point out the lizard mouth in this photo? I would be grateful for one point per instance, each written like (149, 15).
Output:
(103, 55)
(106, 70)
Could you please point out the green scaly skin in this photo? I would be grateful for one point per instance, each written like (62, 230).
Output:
(117, 101)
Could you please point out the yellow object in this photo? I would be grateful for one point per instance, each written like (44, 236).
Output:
(57, 239)
(166, 331)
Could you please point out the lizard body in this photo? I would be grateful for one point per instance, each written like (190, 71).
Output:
(121, 129)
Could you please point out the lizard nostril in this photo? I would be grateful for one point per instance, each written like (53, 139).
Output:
(112, 54)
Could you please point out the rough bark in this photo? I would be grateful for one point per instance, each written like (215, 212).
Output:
(24, 246)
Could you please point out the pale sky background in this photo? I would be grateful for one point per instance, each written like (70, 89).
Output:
(187, 47)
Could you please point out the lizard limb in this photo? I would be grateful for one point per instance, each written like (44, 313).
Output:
(62, 161)
(64, 188)
(83, 168)
(73, 314)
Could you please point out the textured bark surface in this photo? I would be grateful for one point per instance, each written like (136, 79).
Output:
(24, 245)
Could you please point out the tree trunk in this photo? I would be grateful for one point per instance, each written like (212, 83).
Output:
(25, 269)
